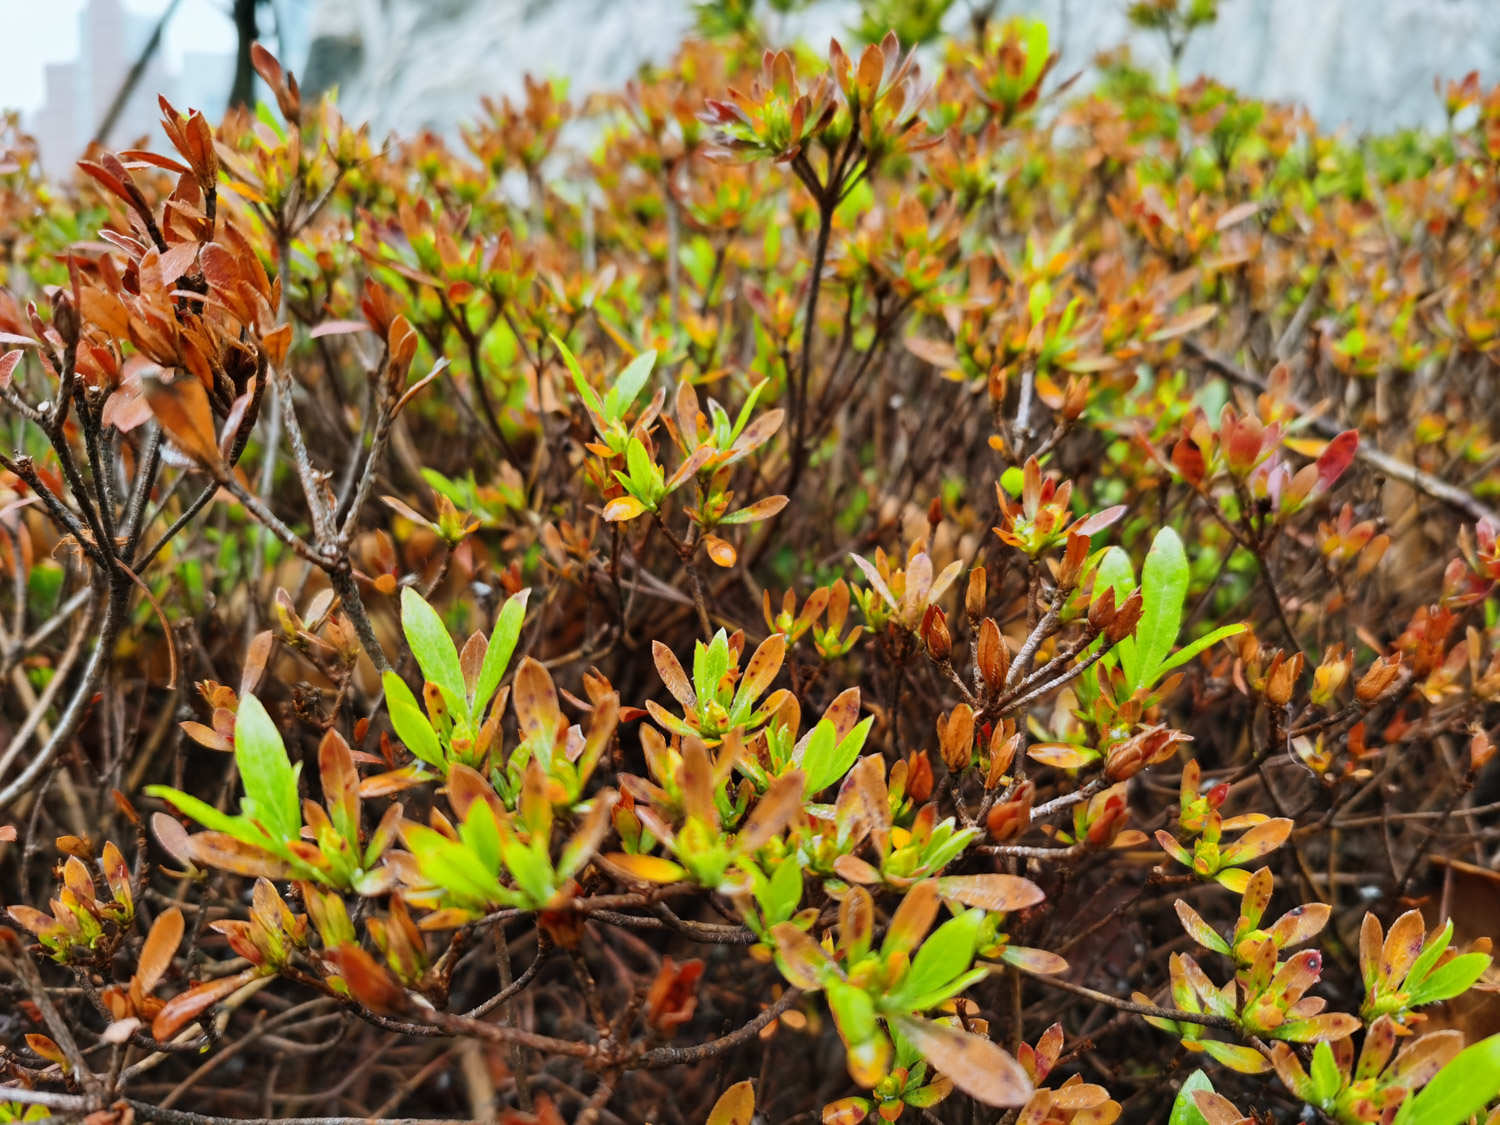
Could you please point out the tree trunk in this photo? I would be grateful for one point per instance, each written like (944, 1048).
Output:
(243, 90)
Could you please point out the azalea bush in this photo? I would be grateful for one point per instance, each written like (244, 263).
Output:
(841, 586)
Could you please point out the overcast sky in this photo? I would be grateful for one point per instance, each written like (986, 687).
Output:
(37, 33)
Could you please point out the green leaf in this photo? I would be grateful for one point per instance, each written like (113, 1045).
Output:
(746, 409)
(532, 873)
(784, 892)
(1164, 584)
(945, 992)
(628, 385)
(1185, 1111)
(208, 816)
(501, 648)
(643, 472)
(1428, 957)
(433, 648)
(831, 761)
(269, 778)
(1187, 652)
(452, 867)
(853, 1011)
(1460, 1090)
(1116, 573)
(587, 393)
(1326, 1079)
(481, 835)
(411, 724)
(1449, 980)
(710, 665)
(945, 955)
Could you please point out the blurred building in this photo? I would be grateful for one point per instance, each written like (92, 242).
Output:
(112, 36)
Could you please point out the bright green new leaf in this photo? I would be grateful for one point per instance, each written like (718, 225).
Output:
(628, 385)
(852, 1009)
(944, 956)
(1326, 1079)
(587, 393)
(1460, 1090)
(501, 647)
(433, 648)
(826, 759)
(1202, 644)
(410, 722)
(452, 866)
(1449, 980)
(269, 778)
(210, 817)
(1164, 585)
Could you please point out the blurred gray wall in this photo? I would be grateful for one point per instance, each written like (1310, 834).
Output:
(1366, 63)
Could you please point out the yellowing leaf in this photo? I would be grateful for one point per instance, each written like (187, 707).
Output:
(736, 1106)
(623, 508)
(647, 868)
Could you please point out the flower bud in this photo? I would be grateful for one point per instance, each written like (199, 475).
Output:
(1125, 759)
(1330, 675)
(1076, 554)
(992, 655)
(1009, 819)
(1005, 744)
(1102, 610)
(65, 316)
(1126, 619)
(1282, 677)
(956, 737)
(1075, 398)
(975, 595)
(1106, 817)
(935, 634)
(919, 776)
(1481, 750)
(1378, 680)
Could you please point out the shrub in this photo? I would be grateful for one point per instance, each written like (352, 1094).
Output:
(783, 591)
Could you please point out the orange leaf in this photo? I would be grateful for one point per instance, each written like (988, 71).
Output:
(181, 407)
(187, 1006)
(646, 868)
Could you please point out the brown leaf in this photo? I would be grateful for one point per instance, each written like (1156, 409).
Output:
(159, 949)
(185, 1007)
(216, 849)
(763, 666)
(773, 812)
(368, 981)
(976, 1066)
(996, 893)
(181, 407)
(256, 656)
(673, 676)
(913, 918)
(1192, 319)
(534, 698)
(340, 778)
